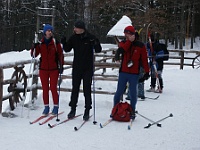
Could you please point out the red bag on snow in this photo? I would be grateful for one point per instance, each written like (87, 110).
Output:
(121, 112)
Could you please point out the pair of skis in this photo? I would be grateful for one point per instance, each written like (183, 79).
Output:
(56, 124)
(48, 118)
(110, 120)
(131, 121)
(152, 98)
(154, 122)
(66, 120)
(80, 126)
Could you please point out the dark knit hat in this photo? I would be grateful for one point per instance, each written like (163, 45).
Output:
(47, 27)
(79, 24)
(129, 30)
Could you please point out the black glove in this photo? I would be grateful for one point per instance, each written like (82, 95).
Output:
(94, 42)
(118, 52)
(35, 44)
(145, 77)
(61, 70)
(154, 54)
(63, 40)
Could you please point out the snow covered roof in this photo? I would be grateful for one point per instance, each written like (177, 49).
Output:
(118, 28)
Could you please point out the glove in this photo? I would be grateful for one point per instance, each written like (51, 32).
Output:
(117, 53)
(154, 54)
(94, 42)
(35, 44)
(63, 40)
(145, 77)
(61, 70)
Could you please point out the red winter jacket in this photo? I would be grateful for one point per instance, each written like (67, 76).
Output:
(137, 53)
(49, 54)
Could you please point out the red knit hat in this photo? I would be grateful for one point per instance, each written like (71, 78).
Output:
(129, 30)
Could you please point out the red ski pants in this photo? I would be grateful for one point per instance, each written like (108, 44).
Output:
(49, 80)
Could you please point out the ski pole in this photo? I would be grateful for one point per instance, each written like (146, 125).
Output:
(94, 122)
(30, 95)
(60, 77)
(151, 124)
(158, 124)
(32, 65)
(58, 95)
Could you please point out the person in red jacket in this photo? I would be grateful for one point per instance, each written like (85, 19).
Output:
(133, 53)
(51, 64)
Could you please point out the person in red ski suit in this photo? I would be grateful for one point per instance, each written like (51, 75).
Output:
(133, 53)
(51, 64)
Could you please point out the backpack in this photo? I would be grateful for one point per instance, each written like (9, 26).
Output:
(121, 112)
(163, 47)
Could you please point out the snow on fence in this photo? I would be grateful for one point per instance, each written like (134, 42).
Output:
(18, 86)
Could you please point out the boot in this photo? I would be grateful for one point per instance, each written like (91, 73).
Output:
(132, 115)
(72, 113)
(158, 91)
(55, 110)
(152, 89)
(46, 110)
(142, 97)
(86, 115)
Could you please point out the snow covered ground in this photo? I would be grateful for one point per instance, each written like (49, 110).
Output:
(180, 132)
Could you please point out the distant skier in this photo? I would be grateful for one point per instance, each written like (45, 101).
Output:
(157, 56)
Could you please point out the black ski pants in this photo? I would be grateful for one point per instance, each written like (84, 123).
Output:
(77, 77)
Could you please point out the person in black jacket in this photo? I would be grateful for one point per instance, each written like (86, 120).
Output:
(84, 45)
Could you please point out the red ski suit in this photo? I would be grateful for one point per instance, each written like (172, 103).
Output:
(51, 57)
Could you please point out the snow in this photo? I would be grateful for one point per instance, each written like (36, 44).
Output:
(180, 132)
(118, 28)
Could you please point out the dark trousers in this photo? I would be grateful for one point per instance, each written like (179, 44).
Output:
(123, 79)
(159, 67)
(77, 76)
(153, 79)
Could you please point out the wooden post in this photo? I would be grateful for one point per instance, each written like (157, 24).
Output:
(113, 53)
(53, 17)
(181, 60)
(38, 21)
(113, 59)
(104, 69)
(1, 88)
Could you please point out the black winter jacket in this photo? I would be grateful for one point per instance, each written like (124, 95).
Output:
(84, 45)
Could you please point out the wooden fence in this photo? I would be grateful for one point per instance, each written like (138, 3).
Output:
(103, 61)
